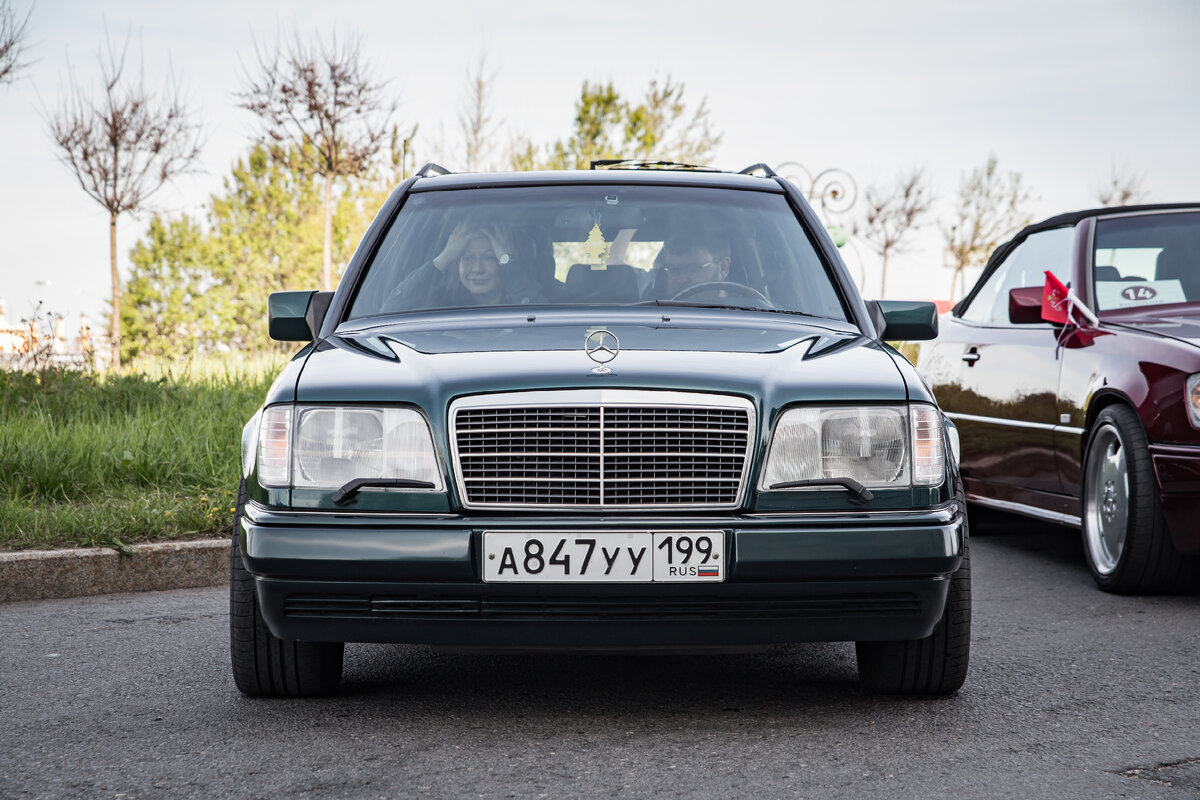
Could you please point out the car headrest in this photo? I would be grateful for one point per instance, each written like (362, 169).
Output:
(537, 251)
(1180, 264)
(1173, 263)
(614, 283)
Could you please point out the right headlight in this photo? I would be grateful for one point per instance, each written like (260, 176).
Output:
(877, 446)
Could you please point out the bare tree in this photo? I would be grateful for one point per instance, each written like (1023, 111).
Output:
(990, 207)
(475, 117)
(890, 217)
(323, 113)
(123, 147)
(1124, 188)
(12, 41)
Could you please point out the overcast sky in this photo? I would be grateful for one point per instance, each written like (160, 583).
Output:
(1059, 91)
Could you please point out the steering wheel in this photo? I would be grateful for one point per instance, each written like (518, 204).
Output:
(723, 290)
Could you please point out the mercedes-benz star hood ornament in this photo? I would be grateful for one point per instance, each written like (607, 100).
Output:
(602, 347)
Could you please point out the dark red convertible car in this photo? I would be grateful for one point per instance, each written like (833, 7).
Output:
(1094, 423)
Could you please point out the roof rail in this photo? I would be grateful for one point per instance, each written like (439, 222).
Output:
(637, 163)
(759, 167)
(431, 167)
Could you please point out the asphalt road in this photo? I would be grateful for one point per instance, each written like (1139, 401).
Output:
(1072, 694)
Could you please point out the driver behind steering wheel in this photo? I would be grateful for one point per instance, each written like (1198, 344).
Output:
(690, 258)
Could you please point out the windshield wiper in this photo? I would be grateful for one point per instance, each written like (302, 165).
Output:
(686, 304)
(347, 492)
(858, 493)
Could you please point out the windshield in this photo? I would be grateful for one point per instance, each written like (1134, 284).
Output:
(1147, 260)
(586, 245)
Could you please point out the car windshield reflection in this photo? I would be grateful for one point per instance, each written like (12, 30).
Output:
(589, 245)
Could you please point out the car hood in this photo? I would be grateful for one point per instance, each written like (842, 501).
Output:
(768, 359)
(1183, 325)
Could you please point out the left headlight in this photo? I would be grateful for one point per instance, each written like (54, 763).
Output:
(325, 447)
(877, 446)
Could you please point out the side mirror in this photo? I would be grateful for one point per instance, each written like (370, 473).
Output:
(905, 320)
(1025, 305)
(296, 316)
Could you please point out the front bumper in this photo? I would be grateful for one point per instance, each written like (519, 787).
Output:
(416, 579)
(1177, 471)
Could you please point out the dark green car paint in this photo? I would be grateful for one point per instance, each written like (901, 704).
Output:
(426, 568)
(771, 362)
(405, 566)
(286, 316)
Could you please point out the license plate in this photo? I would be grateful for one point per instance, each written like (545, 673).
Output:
(603, 557)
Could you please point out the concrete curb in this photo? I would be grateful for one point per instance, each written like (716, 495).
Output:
(46, 574)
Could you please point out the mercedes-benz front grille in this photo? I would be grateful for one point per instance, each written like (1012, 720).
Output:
(608, 449)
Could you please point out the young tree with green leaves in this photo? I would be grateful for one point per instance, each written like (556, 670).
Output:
(660, 126)
(269, 223)
(206, 286)
(169, 300)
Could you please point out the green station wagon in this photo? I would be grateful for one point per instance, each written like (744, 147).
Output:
(623, 408)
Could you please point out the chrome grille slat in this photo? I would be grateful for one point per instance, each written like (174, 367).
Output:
(638, 450)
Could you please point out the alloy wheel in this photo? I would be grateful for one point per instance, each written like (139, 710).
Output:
(1106, 511)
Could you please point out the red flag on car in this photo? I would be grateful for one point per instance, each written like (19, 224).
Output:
(1054, 300)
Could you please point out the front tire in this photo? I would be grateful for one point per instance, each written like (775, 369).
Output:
(1125, 539)
(934, 665)
(263, 664)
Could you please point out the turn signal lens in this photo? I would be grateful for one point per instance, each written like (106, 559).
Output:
(929, 456)
(274, 433)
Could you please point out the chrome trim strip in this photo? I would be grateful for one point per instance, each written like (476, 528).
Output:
(260, 514)
(604, 398)
(1016, 423)
(255, 511)
(935, 516)
(1026, 511)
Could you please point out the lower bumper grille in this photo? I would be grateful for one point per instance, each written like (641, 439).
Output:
(603, 608)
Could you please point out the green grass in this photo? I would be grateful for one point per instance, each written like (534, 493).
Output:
(111, 460)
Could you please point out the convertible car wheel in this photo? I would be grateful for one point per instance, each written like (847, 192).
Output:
(264, 665)
(936, 664)
(1125, 540)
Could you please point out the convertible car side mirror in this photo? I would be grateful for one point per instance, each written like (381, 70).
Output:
(1025, 305)
(296, 316)
(904, 320)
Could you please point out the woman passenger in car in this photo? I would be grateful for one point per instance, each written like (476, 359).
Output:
(476, 267)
